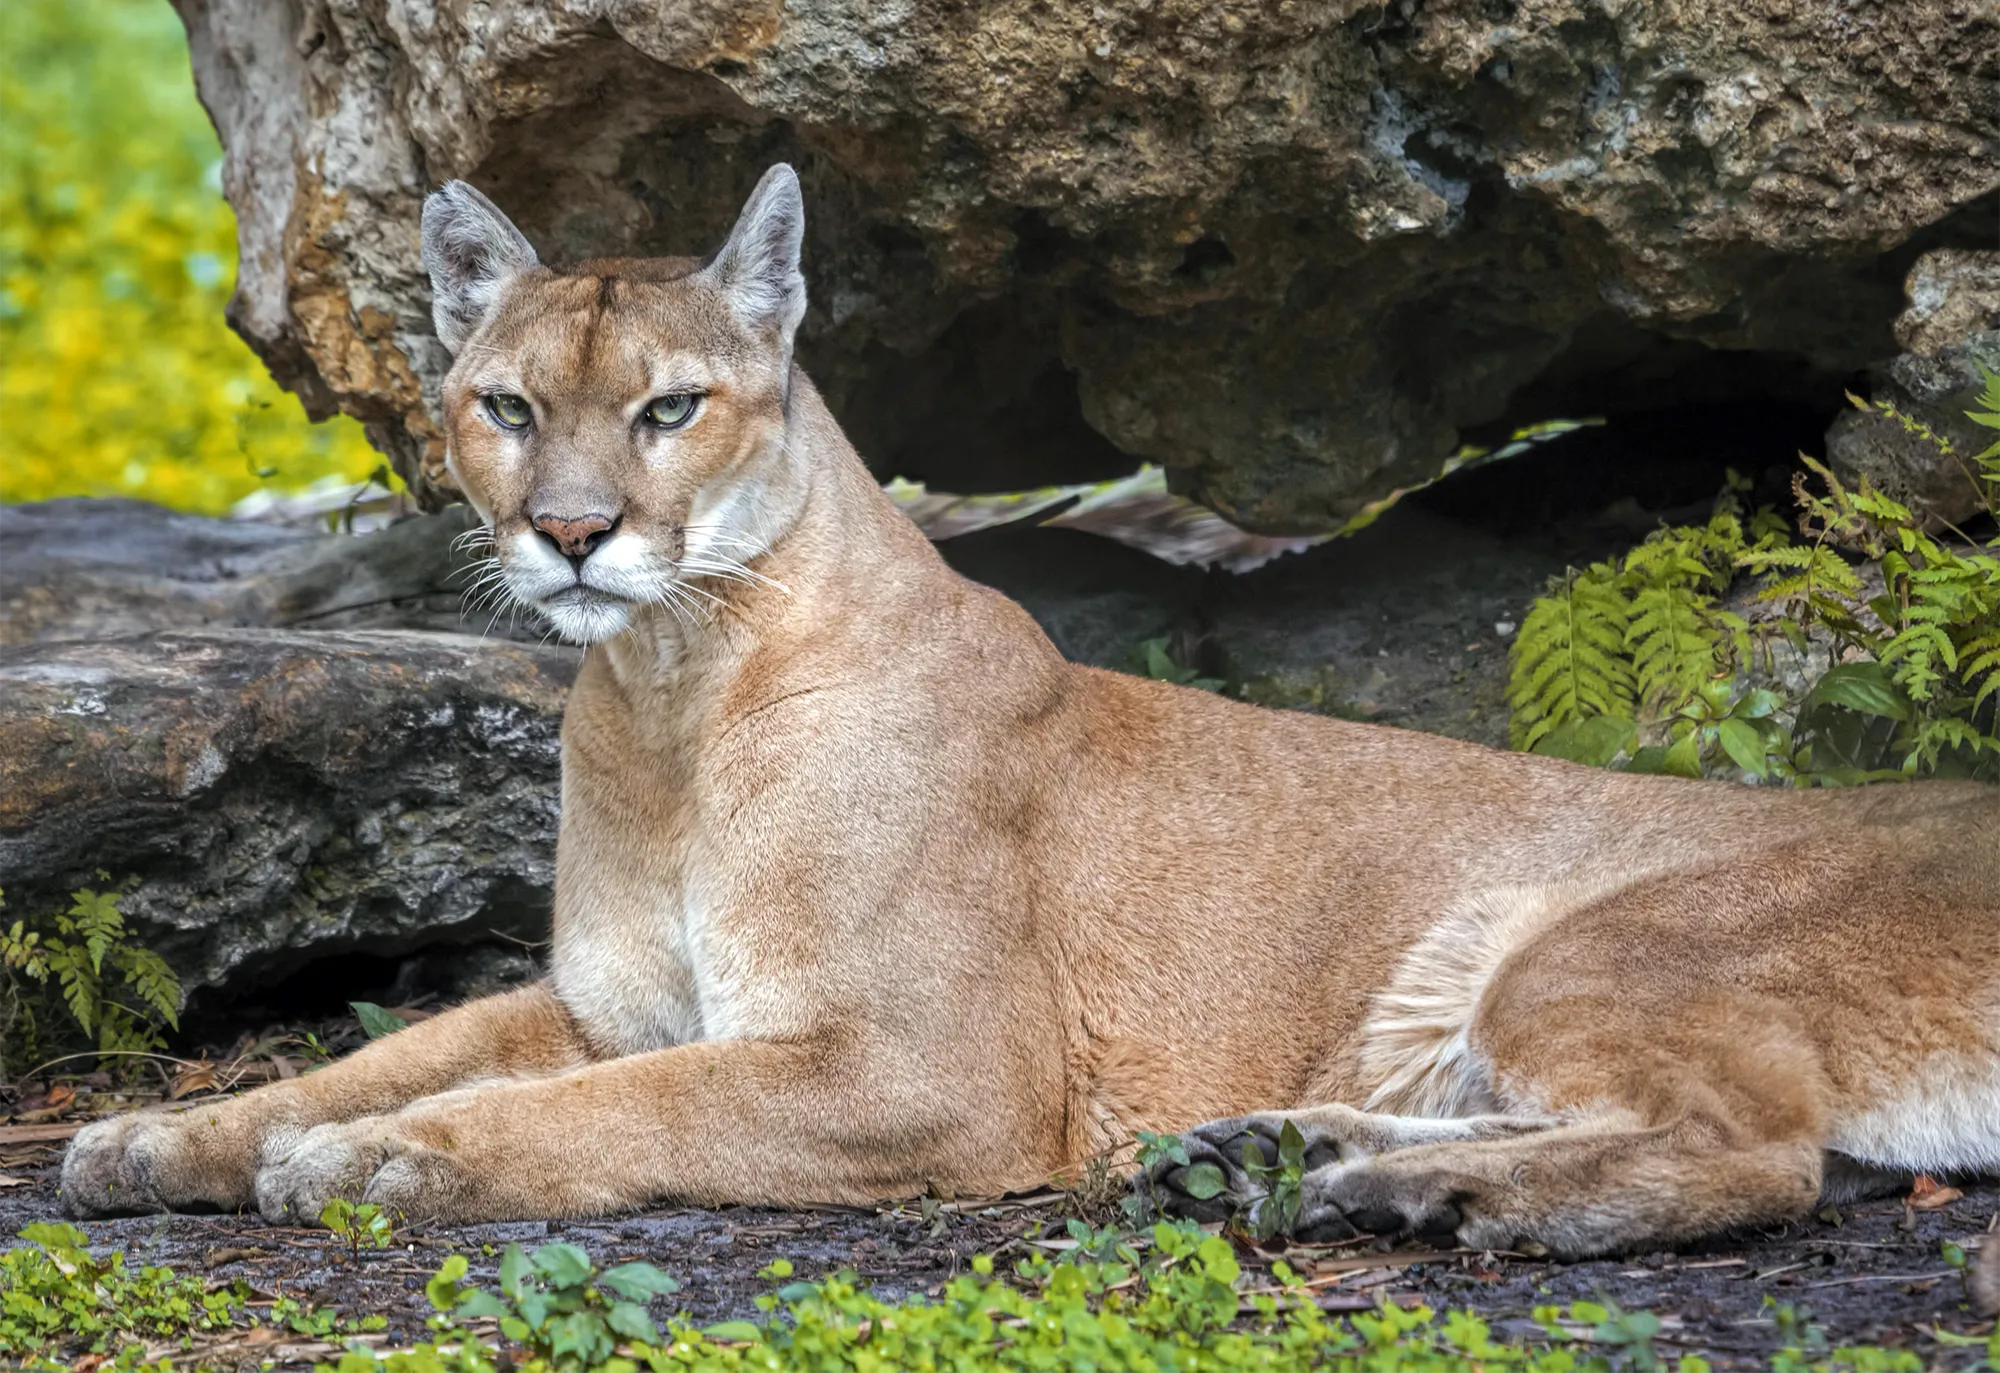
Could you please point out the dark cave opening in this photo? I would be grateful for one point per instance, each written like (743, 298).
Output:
(430, 975)
(1636, 470)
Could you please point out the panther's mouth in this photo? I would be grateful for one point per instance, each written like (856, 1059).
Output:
(582, 597)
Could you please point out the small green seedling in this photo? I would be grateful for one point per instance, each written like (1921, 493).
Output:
(315, 1050)
(358, 1223)
(1284, 1181)
(1153, 659)
(1153, 1151)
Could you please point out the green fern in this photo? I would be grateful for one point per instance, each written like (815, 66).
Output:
(71, 971)
(1815, 584)
(1917, 689)
(1676, 636)
(1568, 661)
(1986, 412)
(1628, 642)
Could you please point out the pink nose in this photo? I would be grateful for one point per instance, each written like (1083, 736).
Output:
(575, 536)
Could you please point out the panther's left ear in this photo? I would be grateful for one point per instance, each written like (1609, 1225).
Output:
(758, 268)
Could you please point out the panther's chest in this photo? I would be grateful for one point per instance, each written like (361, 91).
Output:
(634, 959)
(648, 937)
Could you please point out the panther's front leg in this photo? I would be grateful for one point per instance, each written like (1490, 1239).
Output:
(775, 1123)
(207, 1157)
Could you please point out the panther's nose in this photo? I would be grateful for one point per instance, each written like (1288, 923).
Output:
(575, 536)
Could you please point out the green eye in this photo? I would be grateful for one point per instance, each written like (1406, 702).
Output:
(671, 412)
(509, 412)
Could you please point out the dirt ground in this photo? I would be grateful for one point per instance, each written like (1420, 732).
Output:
(1873, 1274)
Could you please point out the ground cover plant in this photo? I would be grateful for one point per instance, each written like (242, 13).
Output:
(1171, 1297)
(118, 374)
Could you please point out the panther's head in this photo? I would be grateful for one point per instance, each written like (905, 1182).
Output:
(619, 426)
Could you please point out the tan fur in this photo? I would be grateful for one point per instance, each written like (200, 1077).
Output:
(861, 888)
(1416, 1044)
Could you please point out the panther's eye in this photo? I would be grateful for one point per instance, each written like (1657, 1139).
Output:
(509, 412)
(671, 412)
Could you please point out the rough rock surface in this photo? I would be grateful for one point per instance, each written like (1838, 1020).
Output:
(281, 796)
(1951, 337)
(1288, 247)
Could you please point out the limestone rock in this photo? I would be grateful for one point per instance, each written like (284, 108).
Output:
(1289, 248)
(1951, 334)
(283, 795)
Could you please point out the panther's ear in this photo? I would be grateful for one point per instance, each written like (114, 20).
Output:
(758, 268)
(471, 251)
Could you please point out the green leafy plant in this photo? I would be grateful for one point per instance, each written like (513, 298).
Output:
(357, 1223)
(1631, 1331)
(1152, 658)
(556, 1304)
(1636, 662)
(375, 1021)
(1283, 1179)
(1108, 1244)
(57, 1300)
(1150, 1151)
(1173, 1298)
(75, 977)
(315, 1051)
(1204, 1181)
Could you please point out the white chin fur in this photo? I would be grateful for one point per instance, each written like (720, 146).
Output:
(582, 621)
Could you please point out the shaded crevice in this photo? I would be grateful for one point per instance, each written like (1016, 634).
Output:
(1205, 261)
(433, 975)
(988, 406)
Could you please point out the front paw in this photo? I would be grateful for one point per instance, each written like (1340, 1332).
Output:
(301, 1175)
(375, 1160)
(155, 1161)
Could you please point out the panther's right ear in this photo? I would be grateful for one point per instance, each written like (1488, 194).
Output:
(471, 251)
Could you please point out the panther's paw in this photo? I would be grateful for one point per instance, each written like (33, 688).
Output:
(155, 1161)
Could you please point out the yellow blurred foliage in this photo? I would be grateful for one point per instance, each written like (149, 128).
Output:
(118, 375)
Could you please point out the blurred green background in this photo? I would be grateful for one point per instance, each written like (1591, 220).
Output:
(118, 376)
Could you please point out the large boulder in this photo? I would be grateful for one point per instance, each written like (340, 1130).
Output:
(1290, 248)
(1915, 439)
(282, 795)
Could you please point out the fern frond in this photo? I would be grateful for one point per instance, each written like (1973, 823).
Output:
(1979, 665)
(1934, 737)
(1568, 657)
(1676, 637)
(148, 975)
(1921, 655)
(77, 984)
(94, 918)
(1673, 643)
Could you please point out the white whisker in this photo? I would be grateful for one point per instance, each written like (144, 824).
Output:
(731, 570)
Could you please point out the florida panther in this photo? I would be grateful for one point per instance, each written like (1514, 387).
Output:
(861, 887)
